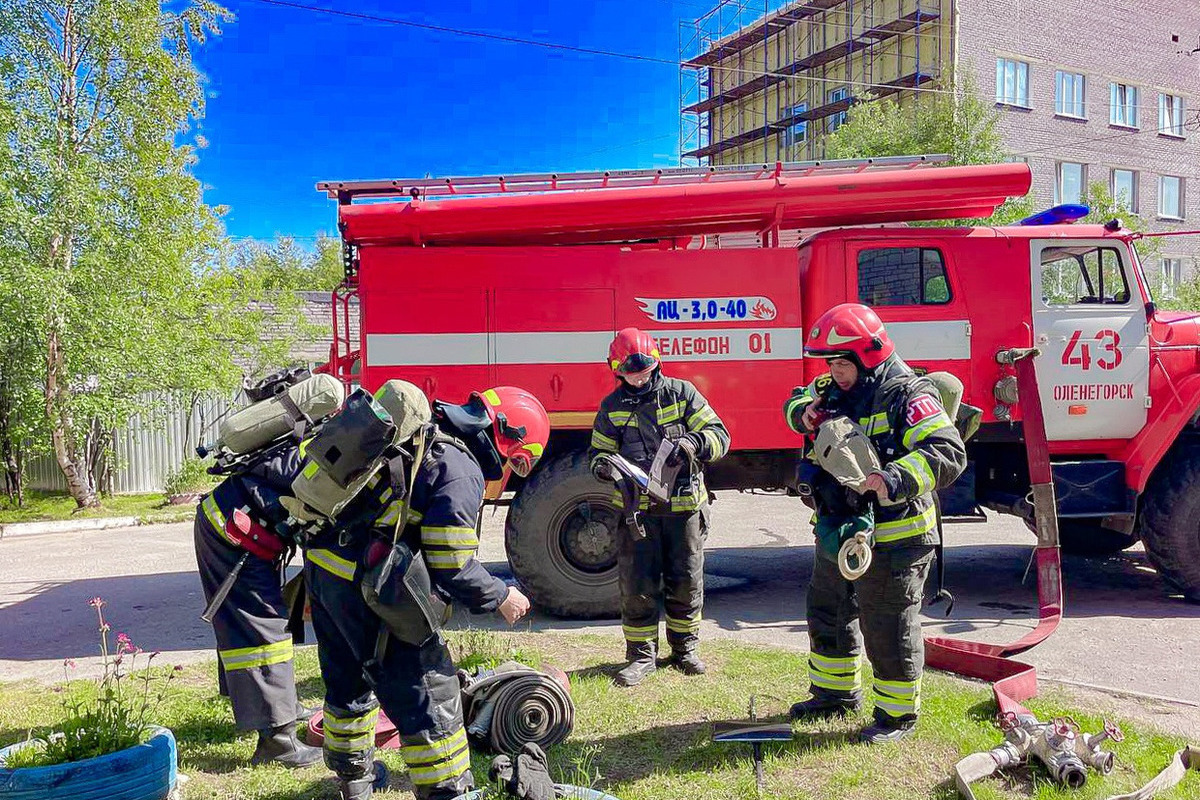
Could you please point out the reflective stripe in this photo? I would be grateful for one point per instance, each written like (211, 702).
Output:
(349, 734)
(602, 442)
(251, 657)
(620, 418)
(792, 409)
(392, 515)
(683, 625)
(917, 467)
(447, 559)
(333, 563)
(672, 413)
(458, 538)
(618, 501)
(212, 512)
(434, 762)
(310, 469)
(714, 443)
(836, 663)
(646, 633)
(924, 429)
(875, 424)
(685, 503)
(492, 398)
(839, 674)
(898, 698)
(906, 528)
(703, 417)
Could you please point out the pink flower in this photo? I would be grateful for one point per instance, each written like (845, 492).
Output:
(69, 663)
(97, 602)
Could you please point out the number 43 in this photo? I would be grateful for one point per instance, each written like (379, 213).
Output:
(1080, 353)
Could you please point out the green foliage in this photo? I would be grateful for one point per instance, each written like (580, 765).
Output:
(113, 717)
(189, 476)
(956, 122)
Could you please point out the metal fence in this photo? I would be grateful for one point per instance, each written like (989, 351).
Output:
(153, 443)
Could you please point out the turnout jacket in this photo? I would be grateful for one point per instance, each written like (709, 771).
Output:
(634, 424)
(442, 527)
(919, 448)
(257, 490)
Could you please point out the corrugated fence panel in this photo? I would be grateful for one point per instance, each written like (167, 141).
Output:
(152, 444)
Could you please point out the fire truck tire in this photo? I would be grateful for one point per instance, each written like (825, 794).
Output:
(1169, 513)
(561, 541)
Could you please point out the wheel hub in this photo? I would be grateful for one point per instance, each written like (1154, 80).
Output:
(587, 541)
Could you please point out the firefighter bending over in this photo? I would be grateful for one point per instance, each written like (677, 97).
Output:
(920, 450)
(424, 511)
(659, 540)
(254, 643)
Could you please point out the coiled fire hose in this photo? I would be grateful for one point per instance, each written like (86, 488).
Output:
(513, 705)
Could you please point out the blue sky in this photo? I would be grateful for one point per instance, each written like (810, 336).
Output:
(296, 97)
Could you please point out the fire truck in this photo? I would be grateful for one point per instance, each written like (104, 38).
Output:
(462, 283)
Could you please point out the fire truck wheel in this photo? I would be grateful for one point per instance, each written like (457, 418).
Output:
(561, 540)
(1087, 537)
(1171, 507)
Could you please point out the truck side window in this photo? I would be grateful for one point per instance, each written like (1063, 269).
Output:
(1083, 276)
(902, 276)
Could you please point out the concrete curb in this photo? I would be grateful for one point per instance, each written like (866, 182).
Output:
(74, 525)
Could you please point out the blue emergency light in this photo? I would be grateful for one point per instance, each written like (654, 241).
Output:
(1058, 215)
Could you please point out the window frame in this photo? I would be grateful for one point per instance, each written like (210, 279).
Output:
(1176, 129)
(789, 133)
(1124, 264)
(921, 247)
(1078, 82)
(1020, 81)
(1115, 88)
(1135, 186)
(1058, 181)
(835, 121)
(1168, 285)
(1179, 196)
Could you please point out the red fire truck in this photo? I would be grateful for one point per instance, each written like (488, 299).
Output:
(461, 283)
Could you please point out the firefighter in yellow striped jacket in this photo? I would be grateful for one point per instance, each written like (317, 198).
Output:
(254, 643)
(920, 450)
(646, 409)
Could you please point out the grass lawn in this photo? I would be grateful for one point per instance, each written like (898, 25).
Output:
(41, 506)
(653, 742)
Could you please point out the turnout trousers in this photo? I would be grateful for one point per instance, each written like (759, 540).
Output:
(417, 687)
(254, 643)
(885, 603)
(667, 565)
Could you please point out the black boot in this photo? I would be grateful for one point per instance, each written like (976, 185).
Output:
(362, 788)
(304, 713)
(688, 662)
(641, 657)
(825, 707)
(279, 745)
(880, 732)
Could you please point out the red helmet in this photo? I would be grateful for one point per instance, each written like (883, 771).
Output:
(633, 351)
(520, 426)
(852, 331)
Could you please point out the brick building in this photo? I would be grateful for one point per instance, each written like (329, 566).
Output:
(1106, 91)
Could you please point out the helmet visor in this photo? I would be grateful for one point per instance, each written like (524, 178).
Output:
(521, 463)
(636, 362)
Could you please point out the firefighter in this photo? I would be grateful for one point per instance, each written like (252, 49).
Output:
(666, 544)
(919, 450)
(254, 644)
(364, 664)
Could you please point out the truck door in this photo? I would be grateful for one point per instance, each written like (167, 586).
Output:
(1089, 320)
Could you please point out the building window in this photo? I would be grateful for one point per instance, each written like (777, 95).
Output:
(902, 276)
(797, 132)
(836, 95)
(1123, 105)
(1170, 197)
(1069, 182)
(1069, 94)
(1170, 115)
(1012, 82)
(1172, 275)
(1083, 275)
(1125, 188)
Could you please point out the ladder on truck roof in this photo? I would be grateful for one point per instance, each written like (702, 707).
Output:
(423, 188)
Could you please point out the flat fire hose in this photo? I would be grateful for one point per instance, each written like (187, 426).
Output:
(1014, 681)
(386, 735)
(513, 705)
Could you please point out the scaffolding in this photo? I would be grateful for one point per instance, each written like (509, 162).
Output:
(759, 76)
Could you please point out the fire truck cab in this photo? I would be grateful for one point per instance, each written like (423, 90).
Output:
(465, 283)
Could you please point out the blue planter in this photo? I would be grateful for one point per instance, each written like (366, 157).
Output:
(145, 772)
(568, 793)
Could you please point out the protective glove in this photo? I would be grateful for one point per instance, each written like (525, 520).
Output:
(685, 449)
(602, 469)
(532, 781)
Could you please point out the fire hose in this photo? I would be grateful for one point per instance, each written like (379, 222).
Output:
(514, 705)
